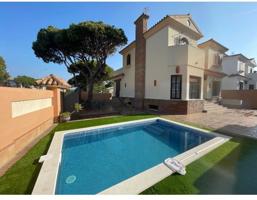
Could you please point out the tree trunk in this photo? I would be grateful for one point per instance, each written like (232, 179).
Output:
(90, 93)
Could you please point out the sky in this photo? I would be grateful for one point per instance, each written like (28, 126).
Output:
(234, 25)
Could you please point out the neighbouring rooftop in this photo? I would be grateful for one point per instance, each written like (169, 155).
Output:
(53, 81)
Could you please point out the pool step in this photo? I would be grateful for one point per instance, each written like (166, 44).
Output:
(155, 129)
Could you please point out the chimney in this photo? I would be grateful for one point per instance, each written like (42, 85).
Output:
(141, 28)
(141, 25)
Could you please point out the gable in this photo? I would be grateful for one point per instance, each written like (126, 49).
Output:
(183, 23)
(129, 47)
(187, 21)
(251, 62)
(211, 43)
(176, 22)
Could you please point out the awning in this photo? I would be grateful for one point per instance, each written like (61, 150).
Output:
(208, 72)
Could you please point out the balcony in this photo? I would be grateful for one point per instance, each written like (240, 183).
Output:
(184, 55)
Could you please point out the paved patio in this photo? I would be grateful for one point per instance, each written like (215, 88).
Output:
(235, 121)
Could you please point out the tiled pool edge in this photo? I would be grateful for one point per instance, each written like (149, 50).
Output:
(47, 178)
(148, 178)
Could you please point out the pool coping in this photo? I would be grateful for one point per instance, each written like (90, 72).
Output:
(47, 178)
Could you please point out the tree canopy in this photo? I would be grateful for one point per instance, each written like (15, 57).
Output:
(80, 81)
(3, 72)
(25, 81)
(83, 48)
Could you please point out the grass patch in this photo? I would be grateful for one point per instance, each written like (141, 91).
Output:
(229, 169)
(21, 177)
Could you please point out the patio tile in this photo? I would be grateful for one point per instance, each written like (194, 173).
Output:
(241, 122)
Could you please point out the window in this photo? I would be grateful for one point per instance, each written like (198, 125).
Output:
(176, 86)
(154, 83)
(181, 41)
(241, 85)
(117, 90)
(218, 59)
(184, 41)
(128, 59)
(195, 87)
(153, 107)
(251, 87)
(241, 67)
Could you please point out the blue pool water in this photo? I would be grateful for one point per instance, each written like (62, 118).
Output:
(95, 160)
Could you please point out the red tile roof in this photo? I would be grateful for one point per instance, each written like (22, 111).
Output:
(53, 81)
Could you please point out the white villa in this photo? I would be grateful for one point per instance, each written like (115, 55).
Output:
(213, 68)
(165, 69)
(240, 73)
(252, 82)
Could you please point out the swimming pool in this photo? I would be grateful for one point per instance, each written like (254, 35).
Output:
(95, 159)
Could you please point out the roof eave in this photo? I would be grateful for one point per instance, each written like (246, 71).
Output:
(167, 20)
(214, 41)
(128, 47)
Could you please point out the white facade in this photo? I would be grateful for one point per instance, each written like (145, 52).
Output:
(230, 65)
(214, 52)
(252, 83)
(157, 66)
(239, 70)
(163, 56)
(127, 83)
(231, 83)
(160, 66)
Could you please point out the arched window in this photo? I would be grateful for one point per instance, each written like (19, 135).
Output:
(184, 41)
(128, 59)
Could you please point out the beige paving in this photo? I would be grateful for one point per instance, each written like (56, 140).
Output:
(235, 121)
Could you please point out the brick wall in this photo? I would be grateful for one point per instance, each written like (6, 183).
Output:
(195, 106)
(249, 97)
(140, 53)
(175, 106)
(170, 106)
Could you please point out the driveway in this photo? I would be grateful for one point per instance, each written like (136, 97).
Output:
(235, 121)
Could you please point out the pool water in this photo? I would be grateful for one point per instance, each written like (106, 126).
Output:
(95, 160)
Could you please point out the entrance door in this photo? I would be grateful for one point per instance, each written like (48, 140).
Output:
(117, 89)
(215, 88)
